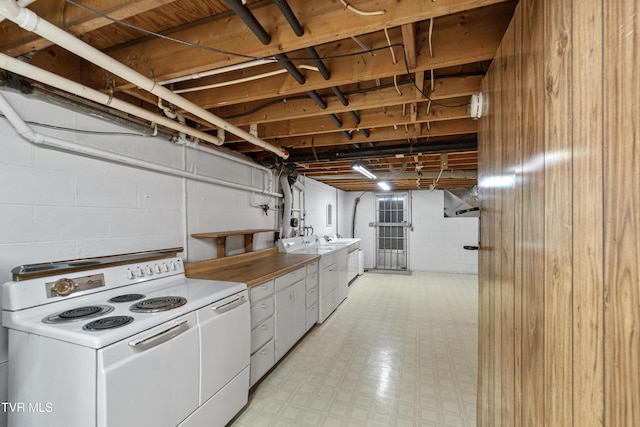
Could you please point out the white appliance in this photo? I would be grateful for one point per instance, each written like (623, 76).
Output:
(335, 267)
(124, 340)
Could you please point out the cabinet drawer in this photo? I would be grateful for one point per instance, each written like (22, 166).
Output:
(312, 316)
(260, 291)
(260, 310)
(312, 297)
(312, 281)
(261, 361)
(290, 278)
(312, 268)
(261, 334)
(328, 259)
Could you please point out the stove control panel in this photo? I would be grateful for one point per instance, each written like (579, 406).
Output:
(155, 269)
(63, 287)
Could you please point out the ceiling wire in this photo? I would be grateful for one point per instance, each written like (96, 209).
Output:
(224, 52)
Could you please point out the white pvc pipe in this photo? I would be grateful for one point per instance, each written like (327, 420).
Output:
(21, 3)
(242, 80)
(287, 203)
(37, 138)
(28, 20)
(27, 70)
(43, 76)
(217, 71)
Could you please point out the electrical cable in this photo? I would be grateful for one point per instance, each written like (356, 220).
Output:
(224, 52)
(81, 131)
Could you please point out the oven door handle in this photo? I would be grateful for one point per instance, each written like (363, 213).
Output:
(229, 305)
(161, 336)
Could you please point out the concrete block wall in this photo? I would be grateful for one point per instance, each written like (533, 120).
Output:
(57, 206)
(435, 244)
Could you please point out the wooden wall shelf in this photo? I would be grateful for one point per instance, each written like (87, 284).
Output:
(221, 238)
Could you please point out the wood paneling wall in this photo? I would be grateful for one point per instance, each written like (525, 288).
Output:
(559, 181)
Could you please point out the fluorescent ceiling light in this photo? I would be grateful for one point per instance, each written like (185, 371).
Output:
(384, 185)
(364, 171)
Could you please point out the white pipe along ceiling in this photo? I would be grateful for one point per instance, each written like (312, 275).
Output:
(37, 138)
(51, 79)
(28, 20)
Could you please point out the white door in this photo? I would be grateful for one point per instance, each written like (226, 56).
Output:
(392, 216)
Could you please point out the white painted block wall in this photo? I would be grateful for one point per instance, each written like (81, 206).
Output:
(58, 206)
(435, 244)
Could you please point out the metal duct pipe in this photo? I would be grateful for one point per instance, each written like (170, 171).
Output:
(287, 205)
(355, 117)
(284, 61)
(314, 95)
(290, 17)
(365, 132)
(311, 51)
(429, 147)
(28, 20)
(250, 21)
(336, 90)
(39, 139)
(347, 135)
(335, 120)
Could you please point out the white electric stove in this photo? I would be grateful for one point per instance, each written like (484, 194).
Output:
(124, 340)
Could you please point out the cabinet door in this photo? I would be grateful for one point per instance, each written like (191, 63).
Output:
(290, 317)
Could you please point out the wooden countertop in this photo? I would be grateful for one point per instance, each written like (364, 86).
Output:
(250, 268)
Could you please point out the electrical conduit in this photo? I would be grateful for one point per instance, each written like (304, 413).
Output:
(28, 20)
(37, 138)
(27, 70)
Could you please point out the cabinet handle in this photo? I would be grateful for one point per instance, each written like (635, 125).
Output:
(229, 305)
(263, 305)
(263, 351)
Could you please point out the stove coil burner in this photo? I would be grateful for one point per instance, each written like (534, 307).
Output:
(153, 305)
(108, 323)
(80, 313)
(126, 298)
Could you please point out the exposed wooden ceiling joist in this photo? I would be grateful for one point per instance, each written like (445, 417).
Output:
(392, 106)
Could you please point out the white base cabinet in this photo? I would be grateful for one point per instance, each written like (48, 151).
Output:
(262, 329)
(291, 317)
(282, 310)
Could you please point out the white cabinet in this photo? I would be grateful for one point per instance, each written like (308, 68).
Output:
(262, 329)
(328, 281)
(291, 315)
(334, 282)
(282, 310)
(311, 284)
(342, 286)
(353, 264)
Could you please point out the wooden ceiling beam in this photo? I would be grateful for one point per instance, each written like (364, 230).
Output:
(324, 22)
(372, 118)
(15, 41)
(450, 87)
(448, 128)
(476, 40)
(409, 42)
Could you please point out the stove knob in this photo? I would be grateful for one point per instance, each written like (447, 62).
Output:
(130, 274)
(149, 271)
(173, 266)
(139, 272)
(156, 268)
(165, 267)
(63, 287)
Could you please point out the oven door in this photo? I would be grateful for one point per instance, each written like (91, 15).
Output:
(150, 379)
(226, 342)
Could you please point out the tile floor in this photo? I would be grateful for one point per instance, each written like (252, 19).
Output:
(399, 351)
